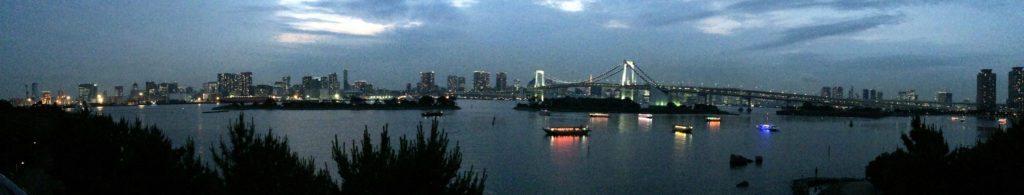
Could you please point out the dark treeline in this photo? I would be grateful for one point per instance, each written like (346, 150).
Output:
(573, 104)
(46, 150)
(926, 165)
(353, 103)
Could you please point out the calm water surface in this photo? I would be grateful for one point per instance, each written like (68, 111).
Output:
(622, 155)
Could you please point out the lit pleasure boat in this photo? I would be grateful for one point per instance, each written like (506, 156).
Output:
(682, 128)
(713, 118)
(645, 115)
(598, 114)
(566, 130)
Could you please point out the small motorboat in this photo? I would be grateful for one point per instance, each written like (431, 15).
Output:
(645, 115)
(214, 111)
(432, 113)
(713, 118)
(598, 114)
(682, 128)
(566, 130)
(545, 113)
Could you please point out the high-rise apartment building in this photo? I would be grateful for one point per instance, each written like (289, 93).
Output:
(1015, 98)
(500, 81)
(944, 97)
(986, 96)
(481, 80)
(426, 83)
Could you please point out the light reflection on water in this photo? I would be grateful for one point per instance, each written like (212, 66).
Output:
(622, 155)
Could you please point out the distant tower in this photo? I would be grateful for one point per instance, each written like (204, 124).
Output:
(851, 95)
(344, 75)
(500, 81)
(35, 90)
(986, 96)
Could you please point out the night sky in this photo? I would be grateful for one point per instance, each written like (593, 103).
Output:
(792, 45)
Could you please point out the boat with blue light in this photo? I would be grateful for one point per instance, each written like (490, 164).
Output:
(767, 127)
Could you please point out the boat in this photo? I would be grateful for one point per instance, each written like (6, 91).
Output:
(598, 114)
(214, 111)
(767, 127)
(713, 118)
(566, 130)
(645, 115)
(432, 113)
(682, 128)
(545, 113)
(957, 118)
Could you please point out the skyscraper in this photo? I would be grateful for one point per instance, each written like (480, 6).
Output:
(500, 81)
(344, 75)
(837, 92)
(226, 83)
(826, 92)
(986, 96)
(481, 80)
(944, 97)
(35, 90)
(87, 92)
(333, 86)
(246, 84)
(1015, 100)
(119, 90)
(908, 95)
(453, 83)
(426, 81)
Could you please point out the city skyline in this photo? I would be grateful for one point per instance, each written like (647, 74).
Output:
(785, 45)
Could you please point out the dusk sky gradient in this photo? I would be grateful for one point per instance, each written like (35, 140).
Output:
(791, 45)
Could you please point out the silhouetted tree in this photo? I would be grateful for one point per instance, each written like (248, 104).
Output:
(356, 100)
(426, 101)
(926, 166)
(446, 101)
(49, 151)
(254, 164)
(424, 165)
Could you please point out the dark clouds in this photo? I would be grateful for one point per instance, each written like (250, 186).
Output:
(807, 33)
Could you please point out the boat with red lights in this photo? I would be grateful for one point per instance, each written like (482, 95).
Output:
(645, 115)
(566, 130)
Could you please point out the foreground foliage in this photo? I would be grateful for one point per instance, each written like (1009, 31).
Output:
(46, 150)
(927, 166)
(423, 165)
(255, 164)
